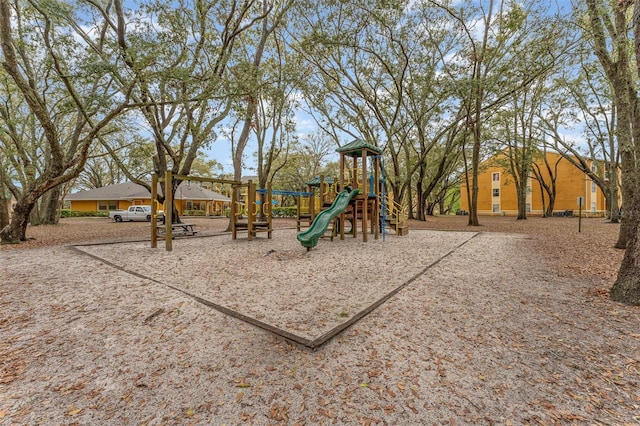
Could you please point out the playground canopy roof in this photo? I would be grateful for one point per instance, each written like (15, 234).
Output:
(354, 148)
(316, 181)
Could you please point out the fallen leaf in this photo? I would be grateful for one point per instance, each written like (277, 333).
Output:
(548, 405)
(412, 406)
(74, 411)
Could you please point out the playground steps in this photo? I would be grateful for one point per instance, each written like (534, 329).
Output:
(262, 226)
(402, 230)
(305, 220)
(400, 227)
(331, 230)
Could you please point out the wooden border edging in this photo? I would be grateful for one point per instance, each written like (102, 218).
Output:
(294, 338)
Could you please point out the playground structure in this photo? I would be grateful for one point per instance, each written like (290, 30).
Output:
(167, 230)
(320, 194)
(255, 216)
(362, 201)
(367, 206)
(258, 210)
(309, 238)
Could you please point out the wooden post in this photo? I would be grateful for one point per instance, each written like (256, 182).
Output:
(298, 211)
(168, 210)
(232, 212)
(312, 204)
(354, 173)
(376, 189)
(365, 194)
(251, 209)
(268, 211)
(323, 189)
(341, 189)
(154, 211)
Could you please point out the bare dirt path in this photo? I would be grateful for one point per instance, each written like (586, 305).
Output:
(514, 327)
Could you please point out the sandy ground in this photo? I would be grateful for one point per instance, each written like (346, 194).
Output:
(440, 327)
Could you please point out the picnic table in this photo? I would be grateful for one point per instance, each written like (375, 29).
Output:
(178, 229)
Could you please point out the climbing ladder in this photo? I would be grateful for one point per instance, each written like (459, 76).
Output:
(392, 214)
(396, 217)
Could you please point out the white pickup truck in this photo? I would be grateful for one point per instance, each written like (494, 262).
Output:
(134, 213)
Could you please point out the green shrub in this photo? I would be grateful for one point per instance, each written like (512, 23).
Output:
(194, 213)
(65, 213)
(77, 213)
(284, 211)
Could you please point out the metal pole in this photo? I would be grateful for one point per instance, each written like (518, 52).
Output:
(580, 214)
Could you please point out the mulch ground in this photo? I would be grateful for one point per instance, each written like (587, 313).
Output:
(515, 327)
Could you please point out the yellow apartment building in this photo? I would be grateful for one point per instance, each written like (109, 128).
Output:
(497, 190)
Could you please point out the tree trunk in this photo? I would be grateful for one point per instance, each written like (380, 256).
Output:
(627, 286)
(16, 231)
(5, 200)
(626, 289)
(409, 202)
(49, 211)
(409, 185)
(430, 208)
(522, 199)
(4, 209)
(550, 206)
(34, 215)
(618, 71)
(475, 164)
(628, 193)
(420, 214)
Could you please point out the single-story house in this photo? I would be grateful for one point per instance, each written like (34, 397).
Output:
(189, 197)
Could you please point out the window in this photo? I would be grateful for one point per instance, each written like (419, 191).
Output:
(593, 206)
(495, 177)
(107, 205)
(195, 205)
(528, 207)
(593, 187)
(496, 208)
(496, 192)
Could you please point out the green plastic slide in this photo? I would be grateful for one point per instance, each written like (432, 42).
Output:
(309, 238)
